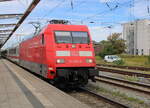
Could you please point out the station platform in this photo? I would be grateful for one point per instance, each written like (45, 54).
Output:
(21, 89)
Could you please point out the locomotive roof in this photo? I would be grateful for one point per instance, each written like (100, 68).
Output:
(60, 27)
(67, 27)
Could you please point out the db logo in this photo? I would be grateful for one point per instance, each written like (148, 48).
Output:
(75, 61)
(74, 53)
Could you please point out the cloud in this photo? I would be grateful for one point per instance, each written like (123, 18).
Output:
(99, 33)
(16, 6)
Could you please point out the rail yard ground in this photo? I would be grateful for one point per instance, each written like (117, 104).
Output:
(130, 91)
(128, 98)
(21, 89)
(122, 91)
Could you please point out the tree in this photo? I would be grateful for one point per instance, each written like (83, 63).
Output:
(113, 45)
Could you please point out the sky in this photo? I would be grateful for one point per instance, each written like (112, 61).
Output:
(103, 17)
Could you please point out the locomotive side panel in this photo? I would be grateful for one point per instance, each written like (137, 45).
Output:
(13, 54)
(50, 53)
(62, 53)
(32, 55)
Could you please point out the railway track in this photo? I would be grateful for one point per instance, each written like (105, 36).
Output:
(126, 67)
(105, 69)
(105, 99)
(140, 87)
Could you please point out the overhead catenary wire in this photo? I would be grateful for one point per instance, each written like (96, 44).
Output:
(119, 6)
(53, 9)
(132, 6)
(148, 8)
(111, 8)
(60, 4)
(43, 18)
(77, 5)
(133, 9)
(106, 11)
(72, 4)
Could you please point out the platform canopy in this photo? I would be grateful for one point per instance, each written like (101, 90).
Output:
(5, 0)
(7, 25)
(8, 16)
(8, 28)
(5, 31)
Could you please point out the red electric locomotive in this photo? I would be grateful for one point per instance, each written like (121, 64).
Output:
(62, 53)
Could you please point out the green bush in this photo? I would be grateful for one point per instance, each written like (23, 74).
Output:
(147, 62)
(126, 56)
(119, 62)
(148, 59)
(107, 51)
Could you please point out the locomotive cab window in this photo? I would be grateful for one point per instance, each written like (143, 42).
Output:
(71, 37)
(80, 37)
(63, 37)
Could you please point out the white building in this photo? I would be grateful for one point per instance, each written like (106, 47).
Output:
(137, 36)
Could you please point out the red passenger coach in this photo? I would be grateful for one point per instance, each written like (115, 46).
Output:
(62, 53)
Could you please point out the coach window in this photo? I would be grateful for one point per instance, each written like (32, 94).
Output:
(42, 38)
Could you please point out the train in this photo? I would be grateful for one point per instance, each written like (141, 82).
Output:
(60, 53)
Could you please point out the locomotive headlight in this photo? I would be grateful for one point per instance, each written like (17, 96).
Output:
(89, 61)
(60, 61)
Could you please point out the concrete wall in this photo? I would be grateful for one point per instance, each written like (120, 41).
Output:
(137, 36)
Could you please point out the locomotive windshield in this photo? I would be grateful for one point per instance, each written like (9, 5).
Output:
(63, 37)
(71, 37)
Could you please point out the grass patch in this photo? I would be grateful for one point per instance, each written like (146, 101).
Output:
(119, 94)
(148, 61)
(119, 62)
(129, 60)
(131, 78)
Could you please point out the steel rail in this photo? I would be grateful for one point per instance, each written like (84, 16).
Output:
(126, 67)
(123, 72)
(125, 81)
(106, 99)
(123, 86)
